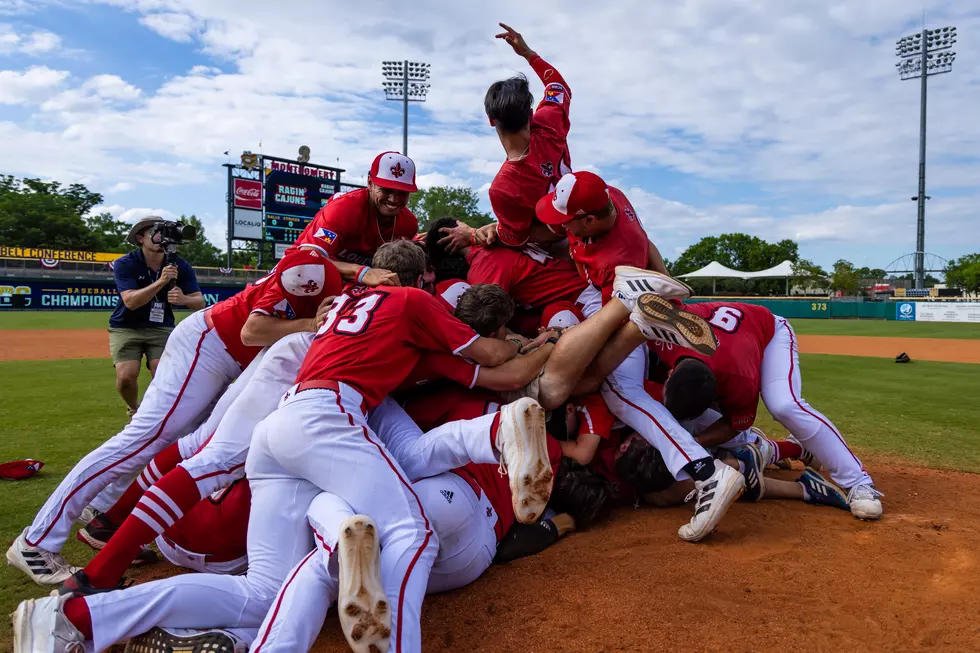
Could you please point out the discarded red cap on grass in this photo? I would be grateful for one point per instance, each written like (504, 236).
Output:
(20, 469)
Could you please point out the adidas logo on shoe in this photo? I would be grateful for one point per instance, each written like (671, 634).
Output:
(448, 494)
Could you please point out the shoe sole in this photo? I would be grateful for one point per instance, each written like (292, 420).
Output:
(15, 561)
(83, 537)
(530, 476)
(721, 512)
(816, 479)
(158, 640)
(628, 273)
(23, 636)
(690, 327)
(362, 606)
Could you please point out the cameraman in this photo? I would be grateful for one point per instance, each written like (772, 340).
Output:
(144, 316)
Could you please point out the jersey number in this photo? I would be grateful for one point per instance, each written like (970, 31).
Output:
(348, 319)
(727, 319)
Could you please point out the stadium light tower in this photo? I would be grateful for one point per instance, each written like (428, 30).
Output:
(921, 55)
(406, 81)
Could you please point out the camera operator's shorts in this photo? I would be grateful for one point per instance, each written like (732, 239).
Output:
(133, 344)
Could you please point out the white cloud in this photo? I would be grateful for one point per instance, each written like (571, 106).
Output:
(134, 215)
(96, 93)
(31, 86)
(120, 187)
(174, 26)
(36, 43)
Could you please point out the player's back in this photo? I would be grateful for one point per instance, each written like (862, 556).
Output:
(373, 337)
(531, 276)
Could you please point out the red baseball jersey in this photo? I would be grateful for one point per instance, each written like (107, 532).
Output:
(532, 277)
(593, 415)
(434, 366)
(373, 337)
(604, 464)
(744, 332)
(346, 231)
(625, 244)
(217, 525)
(520, 184)
(309, 277)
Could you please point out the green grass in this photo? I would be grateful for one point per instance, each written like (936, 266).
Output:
(61, 319)
(57, 411)
(887, 329)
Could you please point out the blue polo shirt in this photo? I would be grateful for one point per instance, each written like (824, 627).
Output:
(132, 273)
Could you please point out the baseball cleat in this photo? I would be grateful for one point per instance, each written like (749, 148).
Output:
(522, 443)
(659, 319)
(97, 532)
(88, 515)
(362, 606)
(78, 584)
(632, 282)
(186, 640)
(863, 502)
(44, 567)
(821, 492)
(753, 464)
(714, 495)
(807, 457)
(40, 625)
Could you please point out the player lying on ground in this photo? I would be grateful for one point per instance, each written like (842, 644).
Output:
(758, 357)
(205, 353)
(312, 443)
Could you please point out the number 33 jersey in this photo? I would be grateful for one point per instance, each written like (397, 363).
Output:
(744, 332)
(373, 337)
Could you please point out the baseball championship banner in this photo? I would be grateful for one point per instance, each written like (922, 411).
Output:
(57, 254)
(78, 296)
(947, 312)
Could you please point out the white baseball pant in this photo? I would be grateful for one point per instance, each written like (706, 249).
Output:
(628, 400)
(467, 545)
(781, 393)
(194, 369)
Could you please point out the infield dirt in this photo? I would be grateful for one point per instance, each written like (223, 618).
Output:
(53, 344)
(777, 576)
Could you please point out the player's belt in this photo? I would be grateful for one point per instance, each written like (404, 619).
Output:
(317, 385)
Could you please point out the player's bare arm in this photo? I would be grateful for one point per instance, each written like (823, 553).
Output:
(366, 275)
(263, 330)
(655, 261)
(514, 39)
(582, 449)
(491, 352)
(134, 299)
(515, 373)
(717, 434)
(194, 301)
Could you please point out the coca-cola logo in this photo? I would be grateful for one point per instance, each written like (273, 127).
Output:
(248, 194)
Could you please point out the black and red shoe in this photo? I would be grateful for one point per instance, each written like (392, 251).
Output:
(97, 532)
(80, 585)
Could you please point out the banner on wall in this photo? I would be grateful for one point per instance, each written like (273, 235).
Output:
(247, 224)
(947, 312)
(57, 254)
(905, 311)
(79, 296)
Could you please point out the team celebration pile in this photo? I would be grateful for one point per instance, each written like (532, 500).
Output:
(387, 413)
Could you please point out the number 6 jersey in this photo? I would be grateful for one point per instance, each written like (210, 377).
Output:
(373, 337)
(744, 332)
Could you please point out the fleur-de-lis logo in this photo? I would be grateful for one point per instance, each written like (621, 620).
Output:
(397, 170)
(310, 287)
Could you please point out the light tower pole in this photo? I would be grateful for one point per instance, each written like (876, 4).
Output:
(406, 81)
(924, 54)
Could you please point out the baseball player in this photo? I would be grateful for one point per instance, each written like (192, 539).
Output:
(536, 147)
(205, 353)
(757, 356)
(351, 227)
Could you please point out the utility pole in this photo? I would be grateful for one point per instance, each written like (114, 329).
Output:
(922, 55)
(406, 82)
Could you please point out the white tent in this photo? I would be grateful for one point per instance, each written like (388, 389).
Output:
(716, 270)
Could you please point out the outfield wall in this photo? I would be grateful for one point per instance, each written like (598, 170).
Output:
(921, 310)
(79, 295)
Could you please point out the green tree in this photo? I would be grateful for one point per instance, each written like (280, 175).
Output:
(809, 275)
(35, 213)
(460, 202)
(109, 232)
(739, 252)
(200, 252)
(964, 273)
(844, 278)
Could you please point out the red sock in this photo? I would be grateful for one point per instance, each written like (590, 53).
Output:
(159, 508)
(493, 431)
(76, 611)
(787, 449)
(162, 463)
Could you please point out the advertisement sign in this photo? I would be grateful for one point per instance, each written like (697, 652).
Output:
(81, 295)
(947, 312)
(247, 225)
(294, 193)
(905, 311)
(57, 254)
(281, 249)
(247, 194)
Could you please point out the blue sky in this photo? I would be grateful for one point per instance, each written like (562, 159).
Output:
(779, 118)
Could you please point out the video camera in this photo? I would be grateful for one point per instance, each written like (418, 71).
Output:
(170, 234)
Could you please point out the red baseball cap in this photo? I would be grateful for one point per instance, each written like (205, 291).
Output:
(577, 193)
(393, 170)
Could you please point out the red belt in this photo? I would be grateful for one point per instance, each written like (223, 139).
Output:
(317, 385)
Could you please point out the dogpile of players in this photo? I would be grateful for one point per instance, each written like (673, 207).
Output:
(388, 413)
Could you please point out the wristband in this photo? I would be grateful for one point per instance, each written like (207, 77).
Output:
(360, 273)
(473, 237)
(552, 340)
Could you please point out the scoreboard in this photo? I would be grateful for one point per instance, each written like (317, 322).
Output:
(293, 194)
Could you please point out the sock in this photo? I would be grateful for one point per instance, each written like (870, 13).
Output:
(787, 449)
(76, 611)
(162, 463)
(493, 432)
(163, 504)
(741, 467)
(700, 469)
